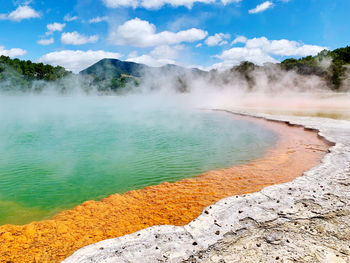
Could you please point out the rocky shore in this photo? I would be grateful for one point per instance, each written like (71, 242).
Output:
(305, 220)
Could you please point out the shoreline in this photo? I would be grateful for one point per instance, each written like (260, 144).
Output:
(305, 220)
(53, 240)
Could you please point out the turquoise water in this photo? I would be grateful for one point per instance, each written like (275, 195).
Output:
(58, 152)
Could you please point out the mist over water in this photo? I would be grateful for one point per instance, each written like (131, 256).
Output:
(69, 144)
(58, 151)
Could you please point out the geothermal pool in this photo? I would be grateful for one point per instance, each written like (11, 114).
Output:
(56, 152)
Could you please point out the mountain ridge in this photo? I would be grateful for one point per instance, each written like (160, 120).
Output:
(104, 67)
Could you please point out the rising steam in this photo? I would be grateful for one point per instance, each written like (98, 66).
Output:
(267, 88)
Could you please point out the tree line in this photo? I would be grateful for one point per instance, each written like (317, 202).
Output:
(20, 75)
(331, 65)
(30, 70)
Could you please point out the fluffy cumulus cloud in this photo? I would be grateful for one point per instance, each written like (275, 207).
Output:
(262, 50)
(261, 8)
(74, 38)
(55, 27)
(76, 60)
(226, 2)
(151, 61)
(218, 39)
(22, 12)
(13, 52)
(155, 4)
(46, 42)
(239, 39)
(140, 33)
(98, 19)
(159, 56)
(165, 52)
(283, 47)
(234, 56)
(69, 18)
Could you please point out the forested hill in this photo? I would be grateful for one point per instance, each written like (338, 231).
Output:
(30, 70)
(116, 76)
(113, 75)
(107, 68)
(115, 68)
(20, 75)
(331, 65)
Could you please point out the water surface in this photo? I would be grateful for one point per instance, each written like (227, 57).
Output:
(58, 152)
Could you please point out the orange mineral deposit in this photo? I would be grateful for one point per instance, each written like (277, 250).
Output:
(296, 151)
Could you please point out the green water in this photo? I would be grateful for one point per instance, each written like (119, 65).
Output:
(58, 152)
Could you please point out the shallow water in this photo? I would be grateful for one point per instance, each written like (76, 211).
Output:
(58, 152)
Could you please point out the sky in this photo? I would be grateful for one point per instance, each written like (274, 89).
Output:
(206, 34)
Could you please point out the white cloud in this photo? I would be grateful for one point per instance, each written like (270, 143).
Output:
(151, 61)
(69, 18)
(22, 12)
(235, 55)
(262, 50)
(77, 60)
(155, 4)
(140, 33)
(13, 52)
(46, 42)
(133, 54)
(225, 2)
(164, 52)
(98, 19)
(217, 40)
(261, 8)
(159, 56)
(55, 27)
(239, 39)
(283, 47)
(121, 3)
(74, 38)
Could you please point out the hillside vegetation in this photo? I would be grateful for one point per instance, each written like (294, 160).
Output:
(331, 65)
(112, 76)
(24, 75)
(332, 68)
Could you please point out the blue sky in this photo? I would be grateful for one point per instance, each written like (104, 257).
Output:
(202, 33)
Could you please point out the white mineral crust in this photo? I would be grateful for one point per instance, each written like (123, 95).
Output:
(305, 220)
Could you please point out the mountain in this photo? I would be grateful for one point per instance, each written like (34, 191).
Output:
(114, 75)
(115, 68)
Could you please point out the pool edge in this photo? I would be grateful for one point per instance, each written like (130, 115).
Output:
(222, 217)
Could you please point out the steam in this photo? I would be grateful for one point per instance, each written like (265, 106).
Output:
(268, 88)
